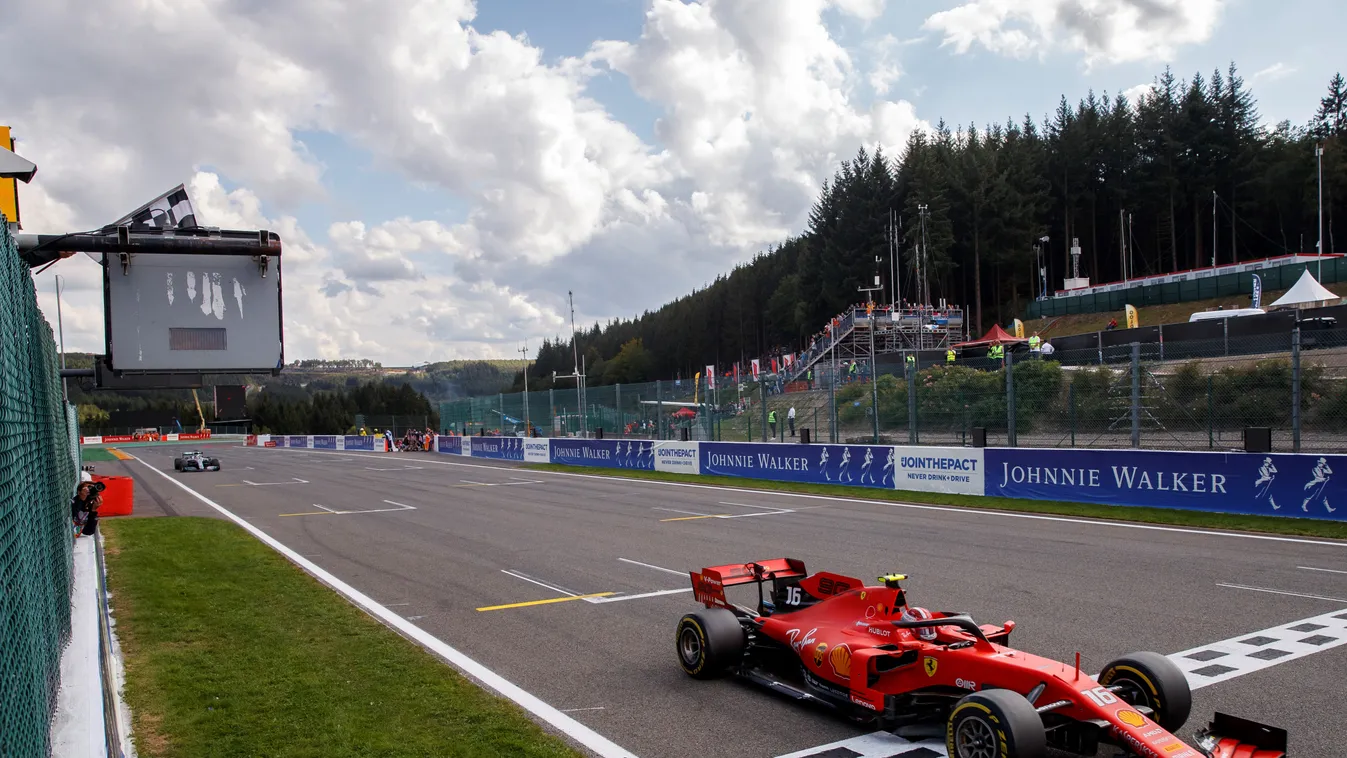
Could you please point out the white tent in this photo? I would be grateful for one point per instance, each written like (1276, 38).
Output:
(1307, 293)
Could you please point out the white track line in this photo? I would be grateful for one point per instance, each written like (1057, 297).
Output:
(652, 566)
(620, 598)
(1328, 571)
(582, 734)
(985, 512)
(329, 510)
(297, 480)
(531, 580)
(1281, 592)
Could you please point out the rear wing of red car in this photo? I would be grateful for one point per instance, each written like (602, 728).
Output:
(708, 585)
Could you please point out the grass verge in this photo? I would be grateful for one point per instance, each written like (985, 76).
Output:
(1166, 516)
(96, 455)
(232, 651)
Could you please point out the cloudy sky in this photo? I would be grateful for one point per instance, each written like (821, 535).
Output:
(443, 171)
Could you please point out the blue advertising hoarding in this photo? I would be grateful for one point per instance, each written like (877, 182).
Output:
(450, 445)
(324, 442)
(621, 454)
(1271, 484)
(498, 448)
(853, 465)
(357, 442)
(297, 440)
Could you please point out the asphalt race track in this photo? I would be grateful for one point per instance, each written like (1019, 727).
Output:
(435, 539)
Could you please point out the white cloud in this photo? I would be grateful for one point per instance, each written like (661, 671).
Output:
(121, 101)
(1110, 31)
(1274, 72)
(1135, 94)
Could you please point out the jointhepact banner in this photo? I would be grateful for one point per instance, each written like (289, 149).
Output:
(952, 470)
(1297, 485)
(677, 457)
(537, 451)
(853, 465)
(628, 454)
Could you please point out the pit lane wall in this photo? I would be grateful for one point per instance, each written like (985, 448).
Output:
(1276, 484)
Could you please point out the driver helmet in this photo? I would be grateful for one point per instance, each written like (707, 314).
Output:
(914, 613)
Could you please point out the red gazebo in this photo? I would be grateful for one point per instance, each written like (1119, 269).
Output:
(994, 336)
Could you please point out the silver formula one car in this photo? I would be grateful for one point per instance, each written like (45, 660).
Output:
(195, 460)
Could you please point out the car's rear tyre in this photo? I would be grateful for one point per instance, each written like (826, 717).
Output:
(709, 643)
(995, 724)
(1154, 681)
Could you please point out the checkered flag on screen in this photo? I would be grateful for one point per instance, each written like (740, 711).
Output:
(171, 210)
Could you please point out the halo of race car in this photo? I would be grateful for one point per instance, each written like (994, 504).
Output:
(195, 460)
(865, 653)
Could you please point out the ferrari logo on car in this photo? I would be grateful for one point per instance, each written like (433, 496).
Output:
(930, 664)
(818, 653)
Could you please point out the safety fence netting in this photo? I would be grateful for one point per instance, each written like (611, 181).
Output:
(37, 477)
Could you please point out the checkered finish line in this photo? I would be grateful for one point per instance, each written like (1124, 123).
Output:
(1204, 666)
(1237, 656)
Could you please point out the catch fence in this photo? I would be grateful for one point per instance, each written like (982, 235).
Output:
(37, 479)
(1192, 395)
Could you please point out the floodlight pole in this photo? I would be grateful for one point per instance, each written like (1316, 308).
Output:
(1319, 154)
(528, 427)
(874, 368)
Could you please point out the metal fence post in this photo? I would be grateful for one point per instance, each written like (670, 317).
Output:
(1136, 394)
(1211, 419)
(552, 408)
(832, 397)
(1010, 400)
(659, 408)
(762, 389)
(1071, 403)
(1295, 389)
(621, 428)
(911, 407)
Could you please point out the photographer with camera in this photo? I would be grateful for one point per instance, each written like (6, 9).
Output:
(84, 507)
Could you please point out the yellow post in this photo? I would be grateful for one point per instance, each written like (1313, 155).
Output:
(1133, 318)
(9, 188)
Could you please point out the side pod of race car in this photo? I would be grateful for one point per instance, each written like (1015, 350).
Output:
(867, 654)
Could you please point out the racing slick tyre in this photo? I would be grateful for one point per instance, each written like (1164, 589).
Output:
(995, 724)
(177, 464)
(709, 643)
(1154, 681)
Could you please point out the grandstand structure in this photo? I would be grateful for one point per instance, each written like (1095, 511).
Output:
(865, 332)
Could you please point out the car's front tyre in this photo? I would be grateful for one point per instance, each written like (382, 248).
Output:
(1153, 681)
(709, 643)
(995, 724)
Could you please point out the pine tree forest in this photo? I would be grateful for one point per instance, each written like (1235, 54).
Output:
(1106, 171)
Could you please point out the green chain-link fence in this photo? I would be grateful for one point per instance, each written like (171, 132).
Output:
(1189, 395)
(37, 478)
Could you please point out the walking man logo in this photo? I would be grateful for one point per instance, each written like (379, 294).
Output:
(1263, 484)
(865, 466)
(1318, 485)
(823, 464)
(889, 471)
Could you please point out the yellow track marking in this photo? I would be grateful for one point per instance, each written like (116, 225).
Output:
(694, 518)
(543, 602)
(119, 455)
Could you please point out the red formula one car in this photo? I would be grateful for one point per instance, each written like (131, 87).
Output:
(863, 651)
